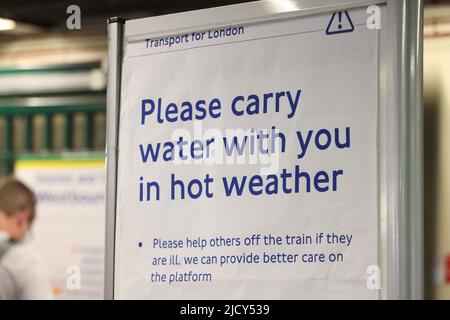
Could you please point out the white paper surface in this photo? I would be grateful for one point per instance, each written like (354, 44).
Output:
(338, 76)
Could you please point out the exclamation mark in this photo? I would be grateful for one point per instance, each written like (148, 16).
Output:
(340, 20)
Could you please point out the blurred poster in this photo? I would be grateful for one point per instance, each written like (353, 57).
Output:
(69, 228)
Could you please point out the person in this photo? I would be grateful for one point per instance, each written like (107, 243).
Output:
(23, 274)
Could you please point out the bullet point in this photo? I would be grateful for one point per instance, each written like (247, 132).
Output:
(140, 244)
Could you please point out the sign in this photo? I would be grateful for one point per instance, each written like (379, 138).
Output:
(248, 162)
(336, 24)
(69, 230)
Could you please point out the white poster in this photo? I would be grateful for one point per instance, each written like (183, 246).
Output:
(248, 162)
(69, 230)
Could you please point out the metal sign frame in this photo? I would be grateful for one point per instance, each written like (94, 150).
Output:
(400, 194)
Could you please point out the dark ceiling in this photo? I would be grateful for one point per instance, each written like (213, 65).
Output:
(52, 13)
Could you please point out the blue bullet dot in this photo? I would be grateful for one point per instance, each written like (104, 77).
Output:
(140, 244)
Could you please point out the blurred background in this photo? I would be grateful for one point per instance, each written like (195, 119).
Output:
(52, 128)
(437, 148)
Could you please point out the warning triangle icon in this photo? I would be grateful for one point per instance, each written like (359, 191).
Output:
(340, 22)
